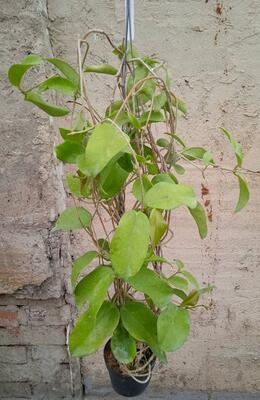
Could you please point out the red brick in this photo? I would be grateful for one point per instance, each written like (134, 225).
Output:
(8, 318)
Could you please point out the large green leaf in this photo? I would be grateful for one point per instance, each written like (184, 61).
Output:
(191, 278)
(75, 137)
(167, 196)
(173, 327)
(170, 178)
(194, 153)
(102, 69)
(51, 109)
(90, 332)
(194, 296)
(130, 243)
(17, 71)
(141, 323)
(236, 147)
(73, 218)
(199, 216)
(243, 193)
(178, 281)
(69, 151)
(148, 282)
(111, 180)
(92, 288)
(149, 117)
(105, 143)
(158, 226)
(59, 84)
(140, 187)
(79, 264)
(68, 71)
(123, 346)
(78, 186)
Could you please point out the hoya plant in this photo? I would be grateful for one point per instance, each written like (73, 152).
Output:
(129, 163)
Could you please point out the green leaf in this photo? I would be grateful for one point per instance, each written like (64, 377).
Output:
(59, 84)
(167, 196)
(137, 187)
(159, 101)
(148, 282)
(178, 282)
(68, 71)
(163, 178)
(243, 193)
(158, 226)
(102, 69)
(141, 323)
(134, 121)
(179, 264)
(69, 151)
(191, 278)
(199, 216)
(162, 143)
(17, 71)
(159, 259)
(79, 264)
(236, 147)
(194, 153)
(179, 169)
(66, 135)
(180, 105)
(90, 332)
(173, 328)
(50, 109)
(73, 218)
(178, 140)
(194, 296)
(78, 186)
(123, 346)
(104, 246)
(208, 158)
(92, 288)
(130, 243)
(140, 72)
(32, 59)
(149, 117)
(105, 142)
(111, 180)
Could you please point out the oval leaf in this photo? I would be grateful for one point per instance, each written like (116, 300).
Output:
(158, 226)
(123, 346)
(69, 151)
(236, 147)
(73, 218)
(79, 264)
(92, 288)
(129, 244)
(105, 143)
(90, 332)
(243, 193)
(59, 84)
(102, 69)
(141, 183)
(167, 196)
(173, 328)
(178, 282)
(199, 216)
(68, 71)
(148, 282)
(140, 322)
(50, 109)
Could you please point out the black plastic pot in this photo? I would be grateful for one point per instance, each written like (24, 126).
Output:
(125, 385)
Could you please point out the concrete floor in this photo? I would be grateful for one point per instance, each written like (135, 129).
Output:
(154, 394)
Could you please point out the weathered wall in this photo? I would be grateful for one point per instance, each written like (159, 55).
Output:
(34, 313)
(216, 69)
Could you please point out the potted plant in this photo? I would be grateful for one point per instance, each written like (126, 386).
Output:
(135, 300)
